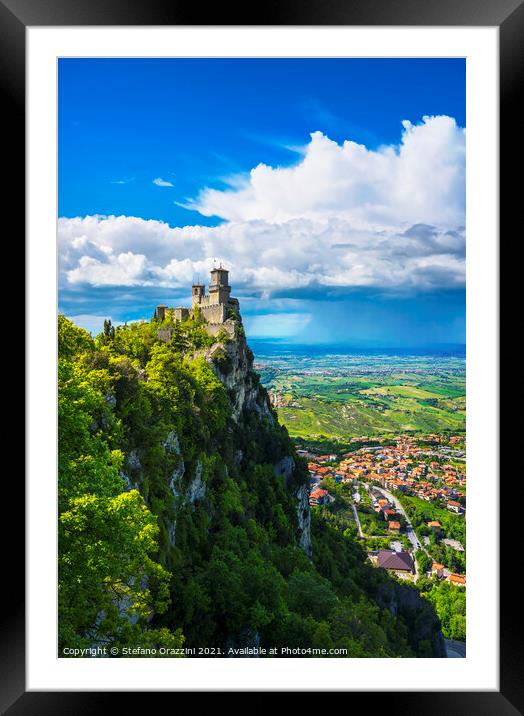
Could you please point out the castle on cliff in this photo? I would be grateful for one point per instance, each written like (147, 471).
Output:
(215, 307)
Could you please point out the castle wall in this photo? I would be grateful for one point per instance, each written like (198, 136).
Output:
(215, 298)
(165, 334)
(214, 314)
(214, 328)
(180, 313)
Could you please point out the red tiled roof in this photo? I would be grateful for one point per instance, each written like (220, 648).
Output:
(319, 493)
(457, 578)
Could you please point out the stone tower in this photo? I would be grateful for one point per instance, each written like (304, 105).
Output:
(219, 288)
(160, 312)
(198, 294)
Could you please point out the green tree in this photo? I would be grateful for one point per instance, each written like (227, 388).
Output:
(109, 584)
(308, 593)
(72, 339)
(107, 578)
(424, 562)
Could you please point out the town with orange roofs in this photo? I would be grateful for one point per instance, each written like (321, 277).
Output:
(407, 496)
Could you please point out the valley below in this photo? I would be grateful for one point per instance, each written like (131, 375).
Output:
(384, 437)
(337, 396)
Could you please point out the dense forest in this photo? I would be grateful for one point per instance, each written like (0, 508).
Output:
(182, 518)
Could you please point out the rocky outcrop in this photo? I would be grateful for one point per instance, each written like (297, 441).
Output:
(405, 600)
(232, 363)
(176, 477)
(171, 444)
(304, 519)
(133, 461)
(285, 467)
(197, 487)
(231, 360)
(128, 485)
(132, 471)
(192, 493)
(238, 457)
(171, 533)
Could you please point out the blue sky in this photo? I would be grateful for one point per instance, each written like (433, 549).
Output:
(335, 218)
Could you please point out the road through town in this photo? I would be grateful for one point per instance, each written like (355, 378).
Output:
(410, 532)
(357, 520)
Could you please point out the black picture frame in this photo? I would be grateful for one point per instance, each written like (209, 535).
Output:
(508, 16)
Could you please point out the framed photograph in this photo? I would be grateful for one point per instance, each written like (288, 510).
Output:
(263, 366)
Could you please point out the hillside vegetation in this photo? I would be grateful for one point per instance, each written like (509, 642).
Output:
(183, 515)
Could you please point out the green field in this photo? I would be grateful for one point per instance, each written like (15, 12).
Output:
(405, 391)
(348, 396)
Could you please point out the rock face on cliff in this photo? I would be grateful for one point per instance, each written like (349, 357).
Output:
(404, 600)
(304, 519)
(251, 418)
(232, 363)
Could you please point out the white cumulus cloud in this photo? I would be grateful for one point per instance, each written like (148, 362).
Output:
(421, 180)
(343, 217)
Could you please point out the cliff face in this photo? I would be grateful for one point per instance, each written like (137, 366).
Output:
(232, 363)
(404, 601)
(304, 519)
(251, 418)
(173, 458)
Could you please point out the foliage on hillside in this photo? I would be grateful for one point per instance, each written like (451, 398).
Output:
(453, 526)
(421, 512)
(337, 420)
(109, 584)
(450, 604)
(174, 527)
